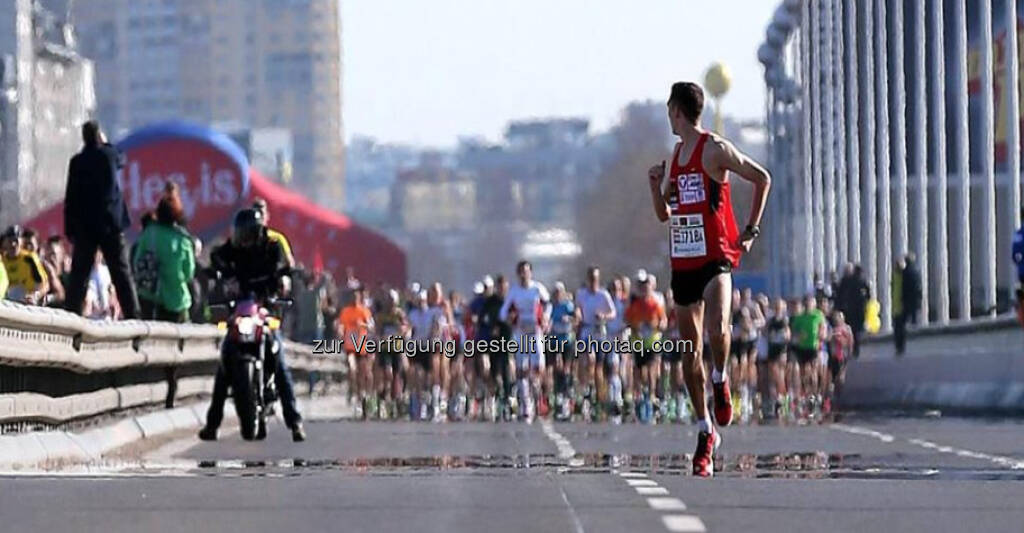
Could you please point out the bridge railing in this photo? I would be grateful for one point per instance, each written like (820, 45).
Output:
(56, 367)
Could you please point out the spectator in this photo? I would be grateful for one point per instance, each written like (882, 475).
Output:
(55, 253)
(100, 295)
(165, 262)
(95, 217)
(3, 283)
(275, 236)
(145, 220)
(198, 286)
(899, 316)
(911, 289)
(852, 300)
(26, 276)
(309, 307)
(55, 295)
(351, 282)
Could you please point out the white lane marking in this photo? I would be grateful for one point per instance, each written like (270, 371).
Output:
(641, 483)
(632, 474)
(884, 437)
(1008, 462)
(1000, 460)
(666, 504)
(651, 491)
(565, 449)
(683, 522)
(572, 512)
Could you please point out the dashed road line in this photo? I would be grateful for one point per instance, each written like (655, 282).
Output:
(565, 449)
(884, 437)
(1008, 462)
(666, 504)
(660, 501)
(1000, 460)
(683, 522)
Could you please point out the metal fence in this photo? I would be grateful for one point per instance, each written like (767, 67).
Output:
(894, 127)
(57, 368)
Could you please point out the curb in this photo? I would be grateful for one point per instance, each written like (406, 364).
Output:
(31, 450)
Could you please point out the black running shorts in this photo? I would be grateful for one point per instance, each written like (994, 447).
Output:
(688, 285)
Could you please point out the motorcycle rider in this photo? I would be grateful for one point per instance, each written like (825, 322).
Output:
(251, 264)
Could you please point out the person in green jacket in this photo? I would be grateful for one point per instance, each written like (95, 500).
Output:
(165, 263)
(3, 283)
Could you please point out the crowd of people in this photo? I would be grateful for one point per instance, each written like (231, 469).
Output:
(787, 357)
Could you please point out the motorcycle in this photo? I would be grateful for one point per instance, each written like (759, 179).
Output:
(249, 345)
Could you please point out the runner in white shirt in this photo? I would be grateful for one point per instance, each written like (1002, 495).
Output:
(426, 323)
(533, 310)
(595, 308)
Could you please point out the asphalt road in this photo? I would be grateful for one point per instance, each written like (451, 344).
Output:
(878, 473)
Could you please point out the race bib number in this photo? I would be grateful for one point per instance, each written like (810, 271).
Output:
(691, 189)
(687, 236)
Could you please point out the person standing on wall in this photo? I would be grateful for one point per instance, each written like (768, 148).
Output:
(95, 217)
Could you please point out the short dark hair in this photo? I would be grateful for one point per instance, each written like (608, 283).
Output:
(29, 233)
(54, 239)
(688, 97)
(522, 264)
(91, 133)
(147, 218)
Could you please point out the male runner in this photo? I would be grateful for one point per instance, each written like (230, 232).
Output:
(705, 246)
(533, 305)
(595, 309)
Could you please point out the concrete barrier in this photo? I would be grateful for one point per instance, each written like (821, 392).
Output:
(956, 369)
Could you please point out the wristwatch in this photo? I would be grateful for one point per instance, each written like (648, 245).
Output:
(754, 230)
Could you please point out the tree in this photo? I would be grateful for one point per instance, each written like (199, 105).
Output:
(616, 226)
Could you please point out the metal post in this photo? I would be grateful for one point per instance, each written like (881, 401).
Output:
(960, 204)
(869, 251)
(842, 235)
(816, 133)
(882, 149)
(852, 132)
(938, 235)
(898, 106)
(807, 106)
(826, 63)
(987, 232)
(1011, 92)
(919, 146)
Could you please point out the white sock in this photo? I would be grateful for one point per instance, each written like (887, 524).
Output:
(717, 376)
(705, 424)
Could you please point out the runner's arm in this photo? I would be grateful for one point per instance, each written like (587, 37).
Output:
(655, 175)
(727, 158)
(503, 313)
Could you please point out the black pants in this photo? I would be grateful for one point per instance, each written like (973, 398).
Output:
(285, 390)
(83, 257)
(899, 332)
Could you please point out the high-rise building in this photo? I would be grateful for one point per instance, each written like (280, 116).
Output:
(260, 63)
(46, 92)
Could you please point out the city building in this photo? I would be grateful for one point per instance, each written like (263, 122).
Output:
(370, 171)
(269, 150)
(47, 92)
(263, 63)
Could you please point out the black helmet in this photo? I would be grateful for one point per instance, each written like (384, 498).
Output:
(13, 233)
(248, 228)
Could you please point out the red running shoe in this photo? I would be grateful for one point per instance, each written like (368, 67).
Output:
(703, 458)
(723, 403)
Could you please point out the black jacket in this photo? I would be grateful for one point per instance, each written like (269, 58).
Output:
(93, 203)
(256, 269)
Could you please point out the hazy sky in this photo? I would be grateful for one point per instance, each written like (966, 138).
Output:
(428, 71)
